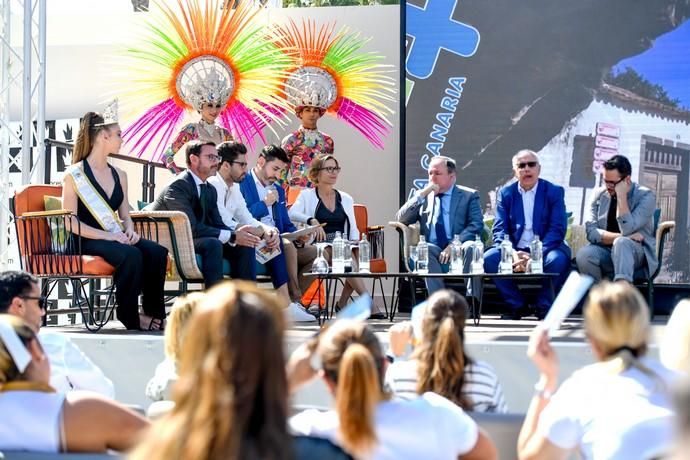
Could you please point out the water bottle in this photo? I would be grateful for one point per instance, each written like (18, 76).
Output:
(338, 254)
(478, 256)
(506, 247)
(364, 254)
(456, 259)
(422, 255)
(536, 262)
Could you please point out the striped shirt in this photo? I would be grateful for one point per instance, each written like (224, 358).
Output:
(481, 387)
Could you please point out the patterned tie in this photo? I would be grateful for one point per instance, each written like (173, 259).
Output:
(441, 237)
(203, 192)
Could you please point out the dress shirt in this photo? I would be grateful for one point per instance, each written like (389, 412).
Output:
(224, 235)
(231, 205)
(528, 197)
(262, 190)
(70, 368)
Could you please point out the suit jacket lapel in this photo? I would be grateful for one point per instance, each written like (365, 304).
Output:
(604, 203)
(539, 207)
(195, 192)
(454, 203)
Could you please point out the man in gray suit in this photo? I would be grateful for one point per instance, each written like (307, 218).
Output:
(443, 210)
(620, 227)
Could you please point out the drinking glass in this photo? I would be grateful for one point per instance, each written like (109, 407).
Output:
(320, 264)
(413, 256)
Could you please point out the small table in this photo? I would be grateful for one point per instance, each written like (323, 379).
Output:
(476, 304)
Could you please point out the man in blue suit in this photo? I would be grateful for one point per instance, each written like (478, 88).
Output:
(266, 202)
(524, 209)
(444, 209)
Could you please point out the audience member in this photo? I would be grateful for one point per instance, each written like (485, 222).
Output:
(96, 193)
(305, 144)
(266, 201)
(160, 386)
(213, 240)
(674, 349)
(443, 210)
(324, 204)
(528, 208)
(617, 408)
(439, 363)
(36, 418)
(681, 400)
(620, 227)
(20, 295)
(231, 398)
(365, 422)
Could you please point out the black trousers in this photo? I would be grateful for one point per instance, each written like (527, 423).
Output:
(242, 260)
(139, 269)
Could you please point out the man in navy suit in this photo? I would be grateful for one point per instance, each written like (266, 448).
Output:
(213, 240)
(266, 202)
(443, 210)
(524, 209)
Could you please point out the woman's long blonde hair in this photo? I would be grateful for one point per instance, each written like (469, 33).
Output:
(8, 369)
(353, 360)
(441, 354)
(617, 321)
(178, 322)
(90, 126)
(231, 396)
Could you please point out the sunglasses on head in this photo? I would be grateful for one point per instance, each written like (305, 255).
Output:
(42, 300)
(524, 164)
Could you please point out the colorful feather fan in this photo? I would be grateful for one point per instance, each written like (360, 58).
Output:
(359, 86)
(202, 40)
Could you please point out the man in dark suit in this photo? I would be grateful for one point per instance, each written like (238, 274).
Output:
(443, 210)
(266, 202)
(527, 208)
(213, 240)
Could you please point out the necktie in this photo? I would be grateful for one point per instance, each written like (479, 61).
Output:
(441, 237)
(203, 192)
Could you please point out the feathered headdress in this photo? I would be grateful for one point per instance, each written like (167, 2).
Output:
(196, 53)
(331, 73)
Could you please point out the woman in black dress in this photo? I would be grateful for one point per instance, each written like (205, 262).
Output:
(96, 192)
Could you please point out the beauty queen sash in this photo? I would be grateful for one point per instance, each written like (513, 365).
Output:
(93, 200)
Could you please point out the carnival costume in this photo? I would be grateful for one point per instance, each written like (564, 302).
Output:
(197, 53)
(331, 75)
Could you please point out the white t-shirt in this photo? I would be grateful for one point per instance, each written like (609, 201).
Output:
(612, 416)
(31, 420)
(481, 386)
(429, 426)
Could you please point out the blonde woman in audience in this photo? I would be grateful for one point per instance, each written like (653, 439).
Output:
(160, 386)
(365, 421)
(675, 342)
(617, 408)
(36, 418)
(231, 397)
(439, 362)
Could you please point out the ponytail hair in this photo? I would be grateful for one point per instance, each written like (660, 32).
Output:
(617, 321)
(91, 124)
(353, 360)
(440, 355)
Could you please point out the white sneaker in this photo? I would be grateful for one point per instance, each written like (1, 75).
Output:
(295, 313)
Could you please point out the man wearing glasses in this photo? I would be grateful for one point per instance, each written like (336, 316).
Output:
(70, 369)
(620, 226)
(525, 209)
(213, 239)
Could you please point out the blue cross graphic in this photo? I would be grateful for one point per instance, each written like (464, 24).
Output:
(433, 28)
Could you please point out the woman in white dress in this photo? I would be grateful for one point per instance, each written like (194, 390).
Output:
(617, 408)
(36, 418)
